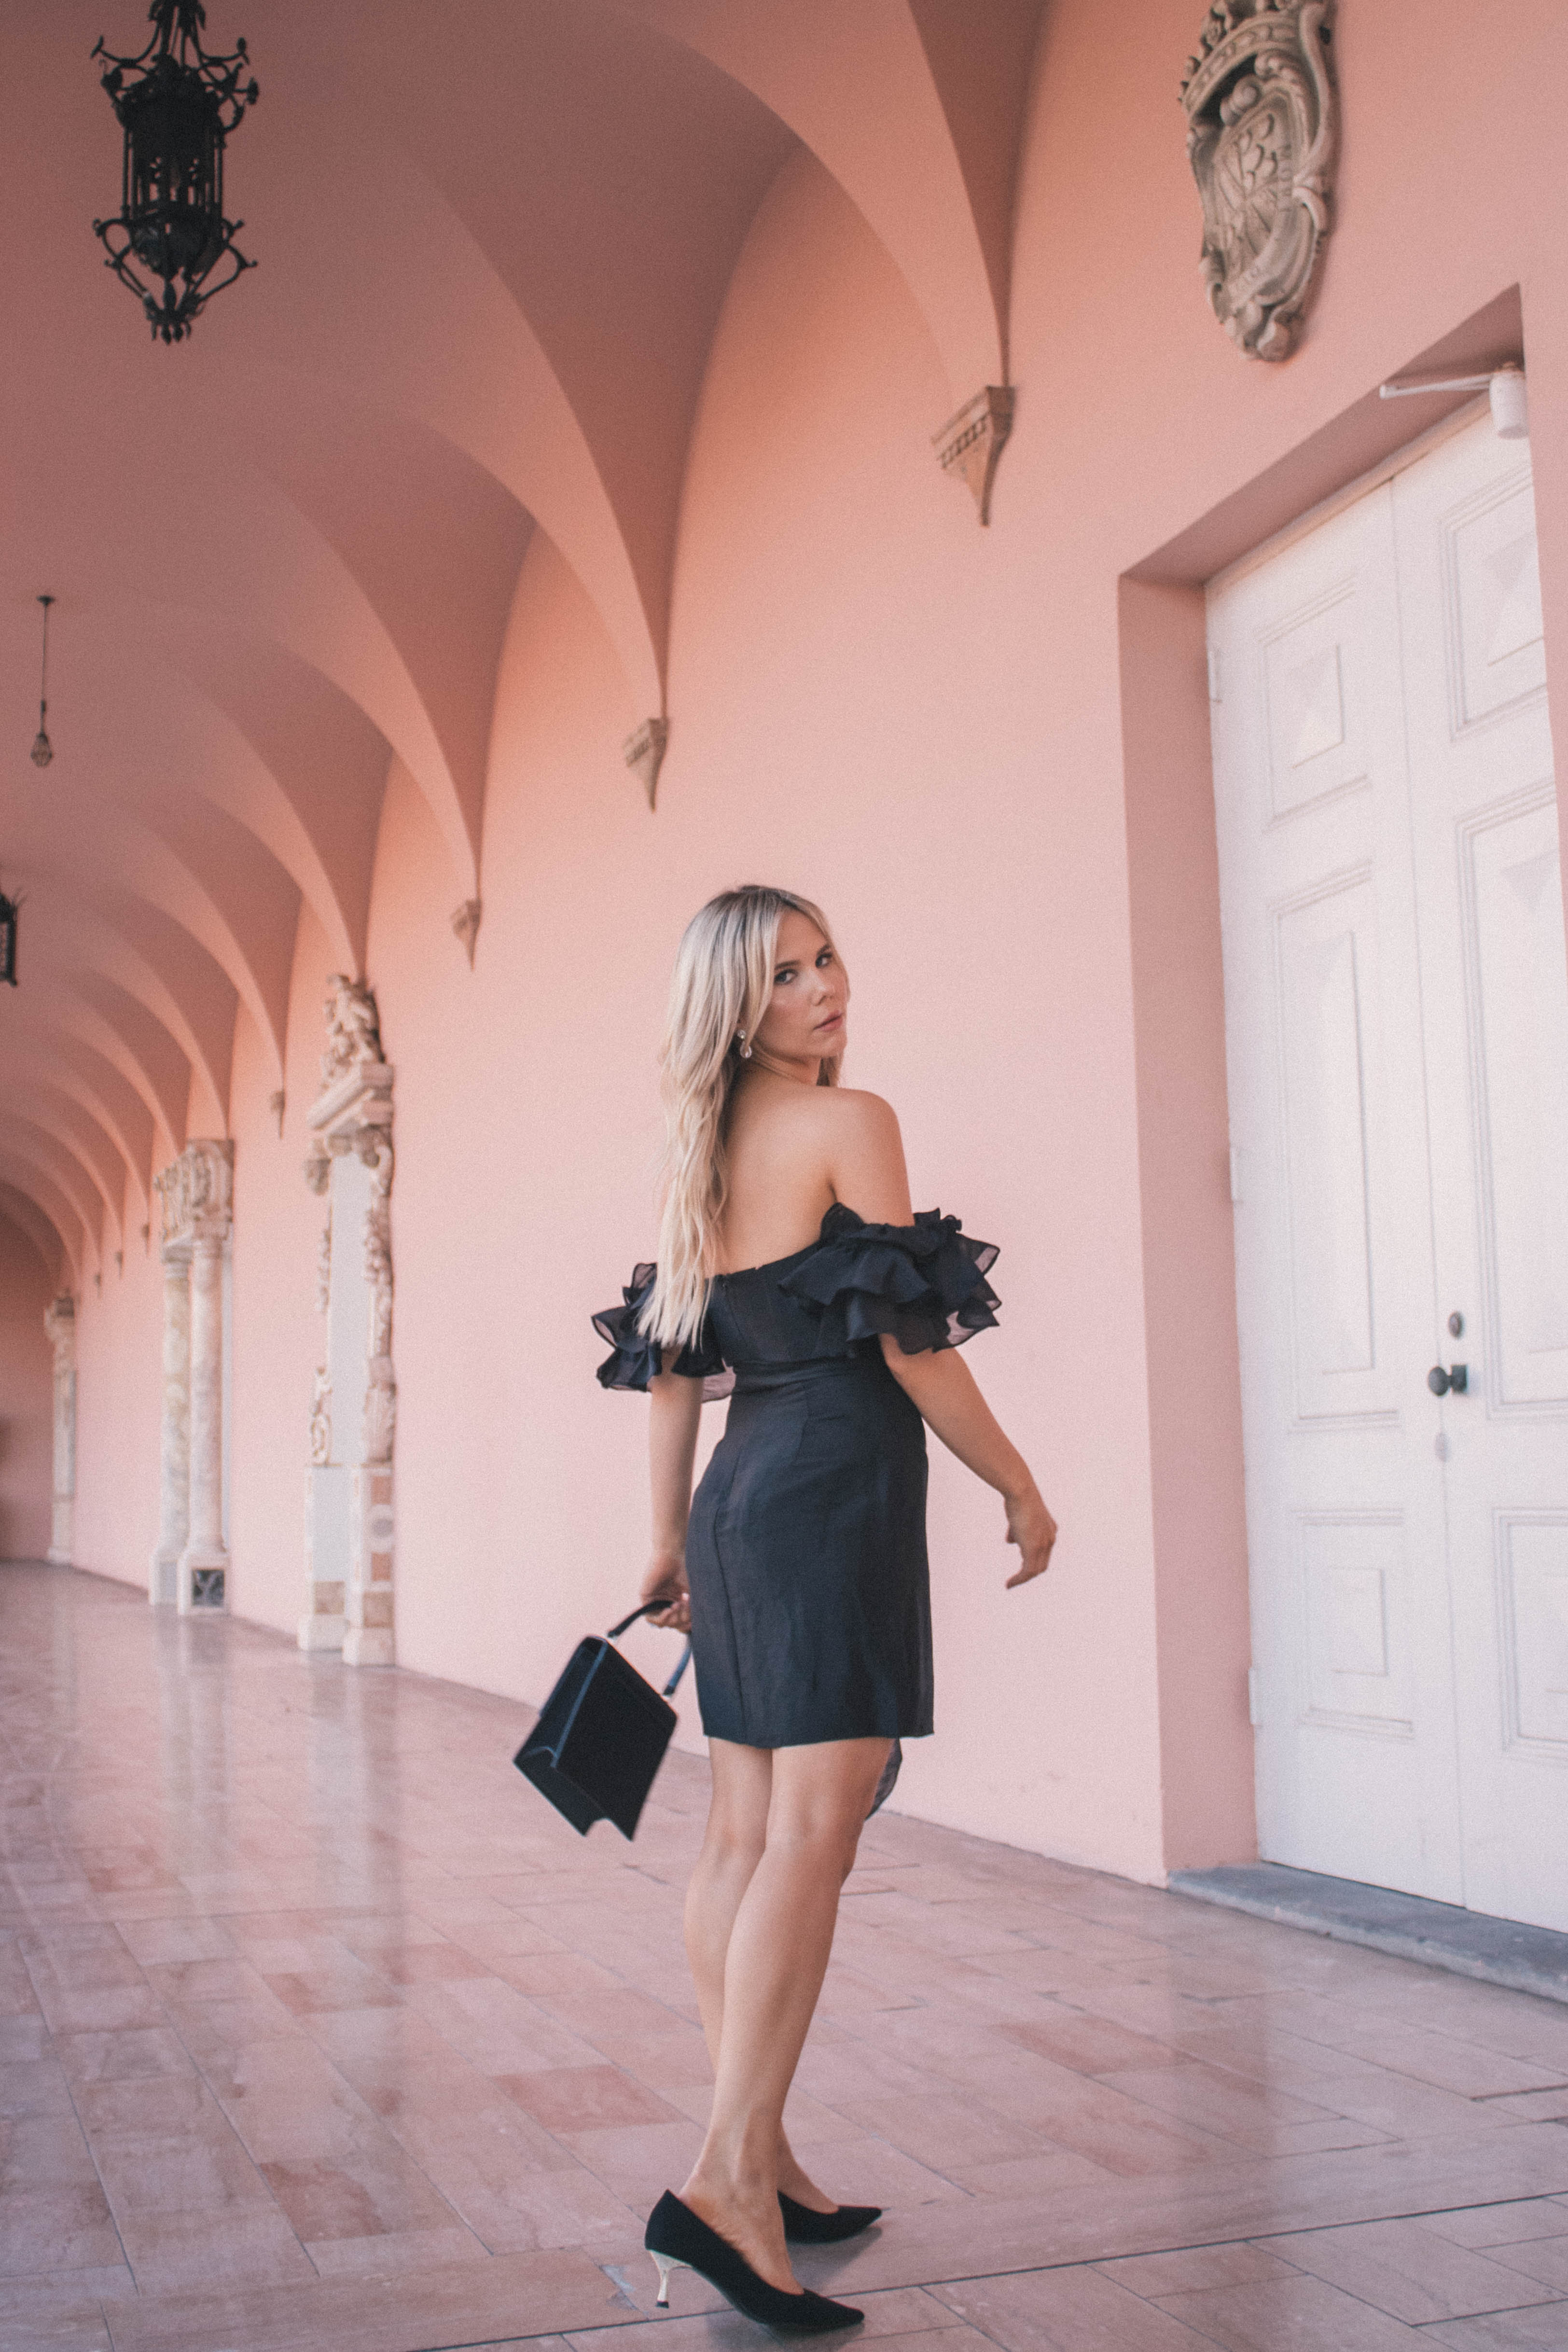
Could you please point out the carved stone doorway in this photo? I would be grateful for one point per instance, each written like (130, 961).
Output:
(349, 1515)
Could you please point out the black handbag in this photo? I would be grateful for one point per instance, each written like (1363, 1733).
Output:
(602, 1734)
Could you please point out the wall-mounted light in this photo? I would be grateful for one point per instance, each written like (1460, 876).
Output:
(1504, 387)
(43, 750)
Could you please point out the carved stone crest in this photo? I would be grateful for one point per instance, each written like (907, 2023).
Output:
(1263, 118)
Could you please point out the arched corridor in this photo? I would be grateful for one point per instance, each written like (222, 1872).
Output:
(931, 456)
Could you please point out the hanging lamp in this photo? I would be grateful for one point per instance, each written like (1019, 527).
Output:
(43, 749)
(177, 106)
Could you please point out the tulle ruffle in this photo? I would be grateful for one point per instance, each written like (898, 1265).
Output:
(633, 1360)
(923, 1284)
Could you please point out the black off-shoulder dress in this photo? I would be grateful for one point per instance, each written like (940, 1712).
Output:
(806, 1552)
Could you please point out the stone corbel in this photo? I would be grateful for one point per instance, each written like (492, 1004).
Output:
(970, 443)
(645, 753)
(466, 927)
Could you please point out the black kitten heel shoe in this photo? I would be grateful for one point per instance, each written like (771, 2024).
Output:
(805, 2227)
(679, 2239)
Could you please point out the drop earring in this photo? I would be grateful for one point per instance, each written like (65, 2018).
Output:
(745, 1049)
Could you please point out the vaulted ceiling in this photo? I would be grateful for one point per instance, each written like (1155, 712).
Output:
(494, 245)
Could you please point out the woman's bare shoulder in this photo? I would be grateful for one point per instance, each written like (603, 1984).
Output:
(852, 1108)
(864, 1155)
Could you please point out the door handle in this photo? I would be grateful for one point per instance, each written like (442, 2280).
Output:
(1456, 1377)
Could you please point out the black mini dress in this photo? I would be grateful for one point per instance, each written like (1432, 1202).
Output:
(806, 1551)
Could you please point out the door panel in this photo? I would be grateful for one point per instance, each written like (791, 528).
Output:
(1494, 990)
(1356, 1751)
(1397, 1021)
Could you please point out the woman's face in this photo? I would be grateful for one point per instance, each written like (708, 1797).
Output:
(805, 1022)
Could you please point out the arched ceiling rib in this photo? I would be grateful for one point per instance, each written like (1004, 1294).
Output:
(33, 1091)
(127, 1032)
(41, 1047)
(32, 1151)
(29, 1219)
(32, 1184)
(916, 107)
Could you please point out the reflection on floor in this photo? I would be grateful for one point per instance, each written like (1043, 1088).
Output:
(317, 2029)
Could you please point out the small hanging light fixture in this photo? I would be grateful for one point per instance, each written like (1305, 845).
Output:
(43, 749)
(177, 115)
(9, 909)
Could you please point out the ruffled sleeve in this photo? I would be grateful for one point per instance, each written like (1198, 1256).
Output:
(633, 1360)
(924, 1283)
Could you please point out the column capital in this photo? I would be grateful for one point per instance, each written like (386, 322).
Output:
(195, 1193)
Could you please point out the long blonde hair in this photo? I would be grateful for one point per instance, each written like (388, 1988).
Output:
(723, 980)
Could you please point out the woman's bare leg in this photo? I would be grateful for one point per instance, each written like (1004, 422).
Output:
(781, 1935)
(732, 1848)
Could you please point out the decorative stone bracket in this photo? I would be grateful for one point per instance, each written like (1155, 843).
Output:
(645, 753)
(353, 1408)
(970, 443)
(195, 1198)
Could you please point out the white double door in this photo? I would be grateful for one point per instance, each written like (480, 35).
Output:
(1396, 1020)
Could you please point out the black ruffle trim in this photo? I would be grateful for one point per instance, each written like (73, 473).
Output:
(635, 1358)
(923, 1284)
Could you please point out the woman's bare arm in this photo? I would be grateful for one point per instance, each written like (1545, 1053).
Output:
(674, 1408)
(867, 1172)
(943, 1391)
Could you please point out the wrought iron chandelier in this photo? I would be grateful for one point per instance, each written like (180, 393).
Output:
(177, 106)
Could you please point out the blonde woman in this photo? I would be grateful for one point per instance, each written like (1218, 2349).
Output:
(791, 1270)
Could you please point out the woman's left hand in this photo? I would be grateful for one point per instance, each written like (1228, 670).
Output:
(665, 1581)
(1032, 1528)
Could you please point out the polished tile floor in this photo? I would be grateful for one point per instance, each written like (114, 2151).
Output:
(318, 2030)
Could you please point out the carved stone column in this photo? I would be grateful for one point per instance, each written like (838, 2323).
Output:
(174, 1435)
(196, 1194)
(61, 1323)
(349, 1517)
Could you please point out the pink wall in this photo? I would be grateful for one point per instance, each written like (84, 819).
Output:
(987, 753)
(27, 1397)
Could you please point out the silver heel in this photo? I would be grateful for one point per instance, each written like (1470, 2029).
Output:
(664, 2264)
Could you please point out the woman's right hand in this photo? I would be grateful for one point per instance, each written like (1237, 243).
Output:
(666, 1581)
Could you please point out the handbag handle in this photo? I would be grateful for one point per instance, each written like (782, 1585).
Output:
(648, 1606)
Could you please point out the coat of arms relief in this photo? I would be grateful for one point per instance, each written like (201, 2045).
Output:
(1263, 116)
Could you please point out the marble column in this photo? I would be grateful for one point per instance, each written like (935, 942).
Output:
(195, 1193)
(203, 1563)
(59, 1322)
(174, 1436)
(349, 1515)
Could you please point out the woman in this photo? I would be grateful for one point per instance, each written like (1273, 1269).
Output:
(791, 1268)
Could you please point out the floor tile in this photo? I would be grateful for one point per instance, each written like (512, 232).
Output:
(1542, 2330)
(1067, 2310)
(1502, 2225)
(1402, 2269)
(1198, 2267)
(1304, 2315)
(584, 2098)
